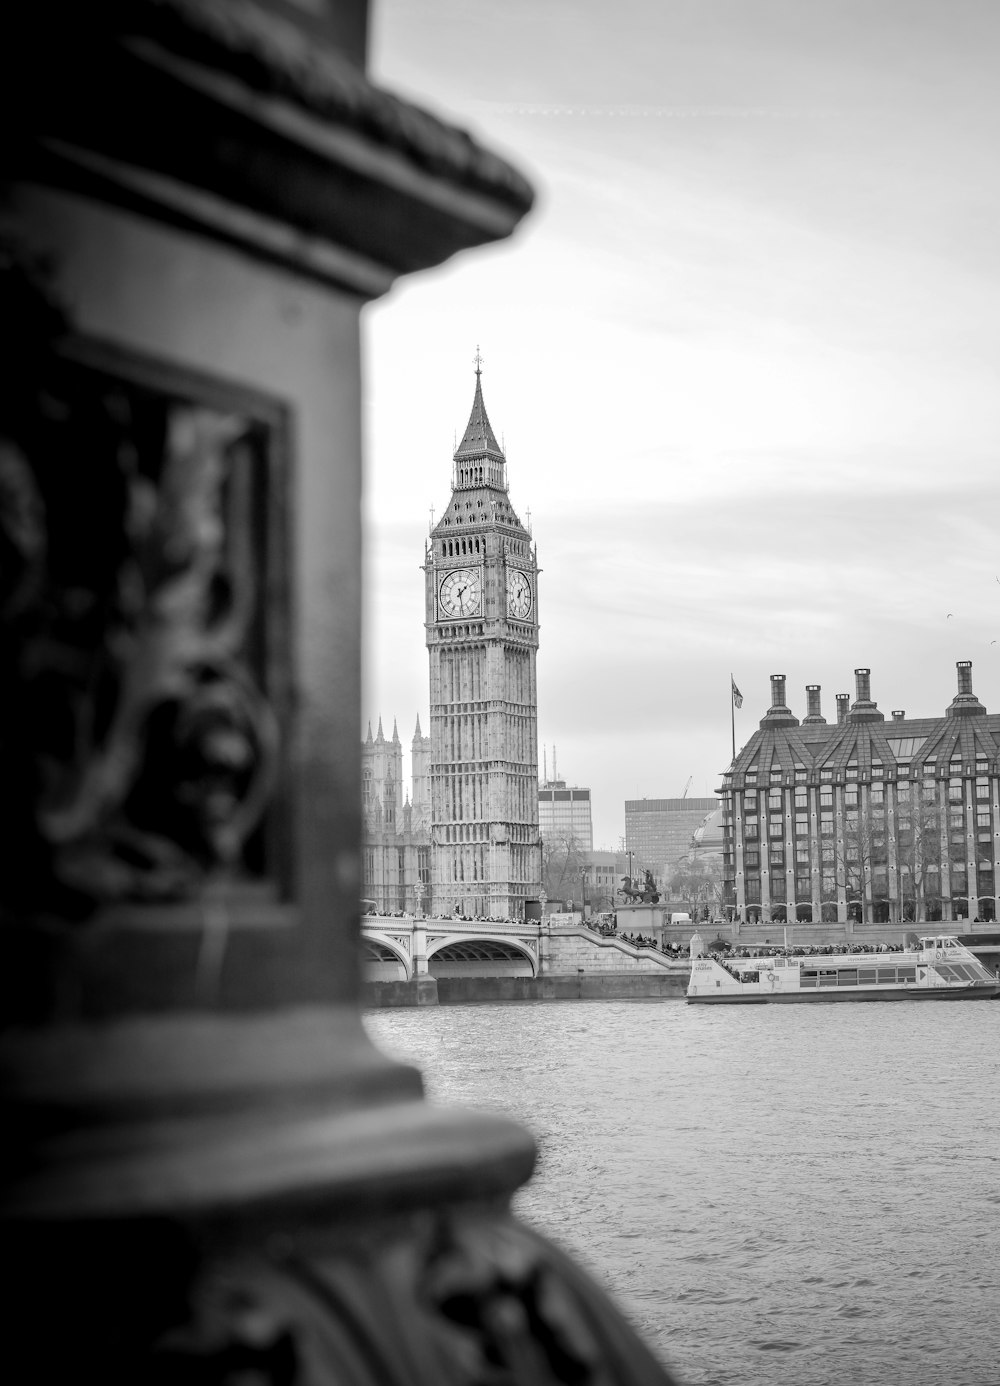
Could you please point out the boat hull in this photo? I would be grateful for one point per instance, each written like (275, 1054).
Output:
(972, 993)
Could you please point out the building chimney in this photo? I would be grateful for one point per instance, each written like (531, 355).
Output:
(863, 709)
(778, 712)
(814, 713)
(965, 703)
(898, 715)
(843, 699)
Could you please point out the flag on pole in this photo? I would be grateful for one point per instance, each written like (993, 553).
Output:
(737, 695)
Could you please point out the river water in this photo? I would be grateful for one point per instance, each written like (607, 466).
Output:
(784, 1195)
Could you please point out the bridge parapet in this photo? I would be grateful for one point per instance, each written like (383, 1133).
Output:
(449, 924)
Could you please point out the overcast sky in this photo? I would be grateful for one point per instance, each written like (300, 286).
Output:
(744, 356)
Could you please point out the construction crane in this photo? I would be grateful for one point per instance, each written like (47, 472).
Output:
(687, 787)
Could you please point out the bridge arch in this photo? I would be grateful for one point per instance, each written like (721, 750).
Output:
(384, 959)
(474, 955)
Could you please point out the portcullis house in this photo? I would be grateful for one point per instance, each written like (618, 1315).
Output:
(865, 819)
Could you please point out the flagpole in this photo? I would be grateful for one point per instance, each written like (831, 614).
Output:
(735, 701)
(732, 711)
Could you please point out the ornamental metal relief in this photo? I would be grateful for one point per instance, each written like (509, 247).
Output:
(466, 1301)
(137, 747)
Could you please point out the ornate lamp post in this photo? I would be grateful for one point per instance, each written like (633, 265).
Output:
(212, 1173)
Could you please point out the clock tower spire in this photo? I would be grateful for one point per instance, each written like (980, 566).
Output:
(482, 639)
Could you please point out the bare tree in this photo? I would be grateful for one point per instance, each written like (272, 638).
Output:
(697, 881)
(861, 841)
(563, 864)
(918, 846)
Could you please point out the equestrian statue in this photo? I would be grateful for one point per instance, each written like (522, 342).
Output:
(644, 890)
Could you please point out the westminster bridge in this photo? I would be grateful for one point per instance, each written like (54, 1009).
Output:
(405, 947)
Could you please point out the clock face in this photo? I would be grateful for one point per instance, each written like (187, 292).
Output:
(461, 593)
(518, 594)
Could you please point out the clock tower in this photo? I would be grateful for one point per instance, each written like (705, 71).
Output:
(481, 575)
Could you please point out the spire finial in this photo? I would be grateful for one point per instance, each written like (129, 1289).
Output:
(478, 360)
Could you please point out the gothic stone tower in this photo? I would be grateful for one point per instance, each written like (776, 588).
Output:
(482, 637)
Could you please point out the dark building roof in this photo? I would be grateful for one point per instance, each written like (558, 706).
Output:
(861, 738)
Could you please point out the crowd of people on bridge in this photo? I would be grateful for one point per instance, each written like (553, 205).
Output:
(371, 909)
(609, 929)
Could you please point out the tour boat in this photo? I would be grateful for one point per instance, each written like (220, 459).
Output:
(940, 968)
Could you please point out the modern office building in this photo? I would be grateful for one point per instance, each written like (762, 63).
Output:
(564, 814)
(658, 832)
(864, 818)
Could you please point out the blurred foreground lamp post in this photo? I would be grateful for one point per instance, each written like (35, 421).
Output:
(211, 1172)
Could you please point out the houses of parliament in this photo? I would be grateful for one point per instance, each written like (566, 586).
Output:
(467, 841)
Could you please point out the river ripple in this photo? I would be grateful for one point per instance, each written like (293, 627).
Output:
(785, 1195)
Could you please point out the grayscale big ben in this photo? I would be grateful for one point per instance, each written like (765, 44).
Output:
(481, 572)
